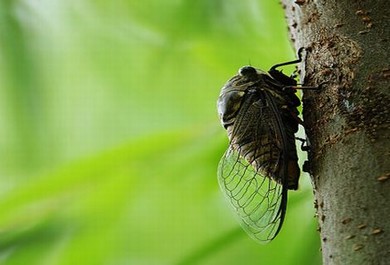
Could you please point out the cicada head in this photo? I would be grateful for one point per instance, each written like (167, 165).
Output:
(232, 93)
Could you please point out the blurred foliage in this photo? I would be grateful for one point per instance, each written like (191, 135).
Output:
(110, 138)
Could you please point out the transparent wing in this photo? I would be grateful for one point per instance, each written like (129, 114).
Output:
(252, 172)
(259, 201)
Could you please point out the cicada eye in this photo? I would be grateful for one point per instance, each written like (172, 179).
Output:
(247, 71)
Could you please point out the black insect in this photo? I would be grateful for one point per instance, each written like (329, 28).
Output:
(259, 111)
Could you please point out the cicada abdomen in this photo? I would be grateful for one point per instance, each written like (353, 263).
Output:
(259, 111)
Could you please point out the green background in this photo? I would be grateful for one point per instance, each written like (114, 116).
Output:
(109, 137)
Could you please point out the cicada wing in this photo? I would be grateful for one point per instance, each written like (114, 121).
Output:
(259, 201)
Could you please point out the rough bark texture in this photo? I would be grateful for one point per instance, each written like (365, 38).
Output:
(347, 123)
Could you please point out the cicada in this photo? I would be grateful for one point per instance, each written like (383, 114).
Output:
(259, 111)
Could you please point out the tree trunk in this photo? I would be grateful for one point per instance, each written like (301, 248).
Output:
(347, 122)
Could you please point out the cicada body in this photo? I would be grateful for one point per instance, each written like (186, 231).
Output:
(259, 111)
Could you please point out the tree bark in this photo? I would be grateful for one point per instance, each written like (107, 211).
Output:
(347, 122)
